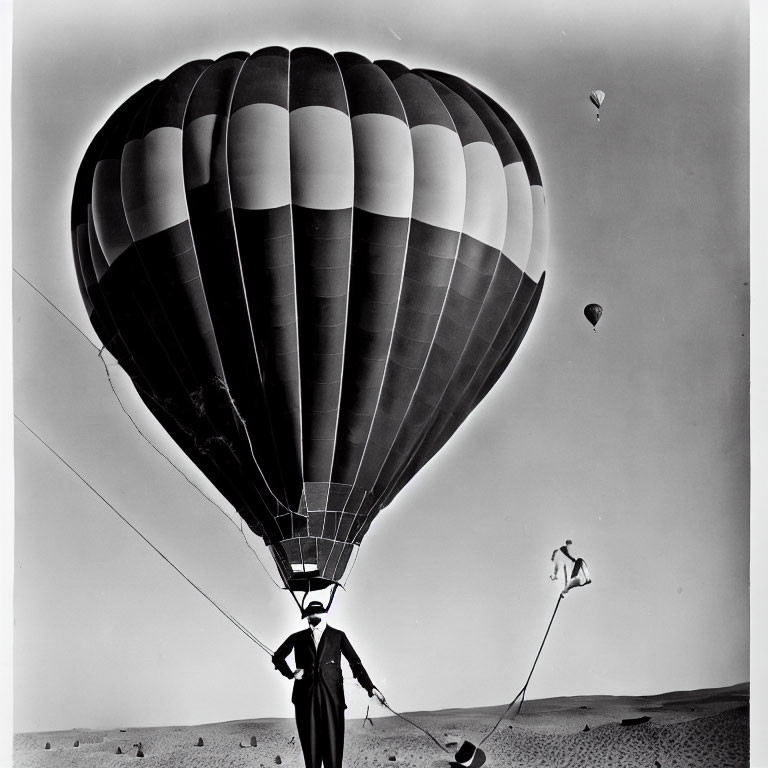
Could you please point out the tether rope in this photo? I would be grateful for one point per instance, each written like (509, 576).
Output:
(74, 325)
(530, 674)
(100, 350)
(231, 618)
(511, 704)
(415, 725)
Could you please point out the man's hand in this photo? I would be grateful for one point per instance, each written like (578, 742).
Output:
(298, 674)
(379, 696)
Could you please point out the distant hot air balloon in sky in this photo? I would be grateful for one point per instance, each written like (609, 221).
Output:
(593, 313)
(597, 98)
(313, 267)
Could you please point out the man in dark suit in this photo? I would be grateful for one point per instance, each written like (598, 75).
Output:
(318, 688)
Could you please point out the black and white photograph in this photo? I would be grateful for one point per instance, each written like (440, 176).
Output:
(382, 390)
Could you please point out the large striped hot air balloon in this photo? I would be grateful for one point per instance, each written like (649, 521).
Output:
(313, 267)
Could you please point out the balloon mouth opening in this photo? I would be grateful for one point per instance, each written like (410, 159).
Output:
(308, 581)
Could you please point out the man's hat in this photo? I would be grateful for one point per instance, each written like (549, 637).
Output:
(314, 607)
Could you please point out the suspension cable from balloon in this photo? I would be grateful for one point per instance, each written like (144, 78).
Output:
(352, 567)
(100, 350)
(232, 402)
(250, 447)
(193, 484)
(229, 616)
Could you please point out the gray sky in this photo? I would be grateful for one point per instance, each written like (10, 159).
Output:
(632, 441)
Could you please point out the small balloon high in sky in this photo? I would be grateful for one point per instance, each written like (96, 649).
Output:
(313, 268)
(597, 98)
(593, 313)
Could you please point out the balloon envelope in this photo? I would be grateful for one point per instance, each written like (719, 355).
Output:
(313, 268)
(597, 98)
(593, 313)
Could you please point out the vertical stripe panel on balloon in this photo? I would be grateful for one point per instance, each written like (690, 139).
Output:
(86, 201)
(517, 243)
(518, 137)
(259, 166)
(483, 230)
(500, 294)
(77, 234)
(85, 260)
(108, 212)
(104, 193)
(526, 298)
(520, 315)
(102, 318)
(437, 218)
(97, 267)
(128, 293)
(459, 400)
(514, 341)
(99, 261)
(106, 147)
(155, 206)
(322, 187)
(206, 179)
(383, 198)
(156, 211)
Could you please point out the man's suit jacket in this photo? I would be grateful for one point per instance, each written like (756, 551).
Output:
(321, 665)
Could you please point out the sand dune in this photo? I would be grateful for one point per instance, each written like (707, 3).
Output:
(707, 729)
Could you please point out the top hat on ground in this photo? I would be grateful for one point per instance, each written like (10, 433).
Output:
(470, 756)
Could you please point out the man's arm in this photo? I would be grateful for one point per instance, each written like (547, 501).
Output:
(281, 654)
(358, 670)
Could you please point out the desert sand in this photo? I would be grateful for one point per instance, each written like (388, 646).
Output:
(708, 728)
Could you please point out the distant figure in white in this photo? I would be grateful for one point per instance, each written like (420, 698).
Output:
(560, 558)
(579, 575)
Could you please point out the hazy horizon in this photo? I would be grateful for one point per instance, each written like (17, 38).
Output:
(384, 714)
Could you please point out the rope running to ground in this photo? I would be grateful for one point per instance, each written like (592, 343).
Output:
(231, 618)
(410, 722)
(498, 722)
(136, 427)
(35, 288)
(530, 674)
